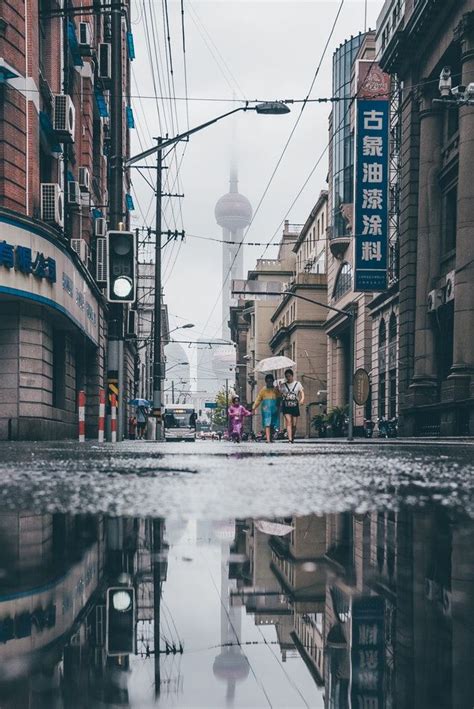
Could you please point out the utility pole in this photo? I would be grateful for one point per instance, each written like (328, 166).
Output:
(157, 376)
(350, 424)
(227, 402)
(172, 392)
(157, 551)
(116, 311)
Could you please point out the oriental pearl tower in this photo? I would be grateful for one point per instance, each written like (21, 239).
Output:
(233, 213)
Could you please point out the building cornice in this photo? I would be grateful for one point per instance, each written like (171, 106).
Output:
(384, 299)
(293, 291)
(323, 198)
(284, 332)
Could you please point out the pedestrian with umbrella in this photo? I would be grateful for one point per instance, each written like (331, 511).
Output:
(270, 396)
(141, 407)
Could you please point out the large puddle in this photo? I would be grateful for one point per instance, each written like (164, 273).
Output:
(368, 611)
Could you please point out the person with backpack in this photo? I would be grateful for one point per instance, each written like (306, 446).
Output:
(292, 394)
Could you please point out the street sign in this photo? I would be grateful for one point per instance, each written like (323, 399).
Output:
(361, 387)
(210, 405)
(371, 191)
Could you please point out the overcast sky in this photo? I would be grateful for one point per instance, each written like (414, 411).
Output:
(256, 50)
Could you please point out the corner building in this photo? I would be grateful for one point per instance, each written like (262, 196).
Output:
(55, 67)
(436, 357)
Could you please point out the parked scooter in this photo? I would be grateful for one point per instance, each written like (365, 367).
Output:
(368, 428)
(388, 428)
(392, 427)
(382, 424)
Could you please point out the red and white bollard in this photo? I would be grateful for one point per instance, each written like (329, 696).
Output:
(82, 416)
(113, 420)
(101, 415)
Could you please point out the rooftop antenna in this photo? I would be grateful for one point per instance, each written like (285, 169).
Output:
(365, 16)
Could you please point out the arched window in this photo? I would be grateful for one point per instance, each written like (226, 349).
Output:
(343, 281)
(392, 328)
(382, 333)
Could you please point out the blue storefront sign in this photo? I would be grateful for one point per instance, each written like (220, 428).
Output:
(371, 222)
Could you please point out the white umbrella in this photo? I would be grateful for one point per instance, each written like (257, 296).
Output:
(275, 529)
(270, 364)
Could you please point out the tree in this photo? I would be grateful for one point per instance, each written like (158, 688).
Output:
(220, 414)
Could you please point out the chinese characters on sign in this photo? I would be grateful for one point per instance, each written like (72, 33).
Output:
(21, 259)
(367, 653)
(371, 195)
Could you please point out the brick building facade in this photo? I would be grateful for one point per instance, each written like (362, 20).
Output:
(56, 71)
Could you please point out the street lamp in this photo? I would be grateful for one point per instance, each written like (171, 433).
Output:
(266, 108)
(182, 327)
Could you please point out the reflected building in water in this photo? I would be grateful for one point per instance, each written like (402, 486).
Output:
(378, 606)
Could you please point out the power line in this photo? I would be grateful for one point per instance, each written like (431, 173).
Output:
(236, 243)
(222, 64)
(280, 159)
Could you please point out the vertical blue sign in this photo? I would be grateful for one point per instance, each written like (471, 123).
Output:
(367, 653)
(371, 224)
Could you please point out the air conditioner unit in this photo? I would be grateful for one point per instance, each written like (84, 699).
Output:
(52, 203)
(84, 179)
(435, 299)
(449, 287)
(64, 119)
(73, 193)
(85, 36)
(105, 61)
(101, 261)
(100, 227)
(81, 247)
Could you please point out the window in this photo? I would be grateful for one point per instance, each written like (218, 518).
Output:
(343, 281)
(449, 219)
(445, 340)
(392, 394)
(382, 391)
(382, 333)
(392, 328)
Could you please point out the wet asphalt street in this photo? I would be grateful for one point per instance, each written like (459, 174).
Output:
(212, 480)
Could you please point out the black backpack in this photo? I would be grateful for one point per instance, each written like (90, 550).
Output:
(290, 399)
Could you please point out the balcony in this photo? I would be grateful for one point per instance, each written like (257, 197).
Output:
(339, 245)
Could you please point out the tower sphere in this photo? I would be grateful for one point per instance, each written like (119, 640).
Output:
(233, 211)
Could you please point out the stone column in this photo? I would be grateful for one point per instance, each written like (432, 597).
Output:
(424, 384)
(463, 354)
(462, 612)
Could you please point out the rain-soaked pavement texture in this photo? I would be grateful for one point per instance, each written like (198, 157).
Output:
(221, 480)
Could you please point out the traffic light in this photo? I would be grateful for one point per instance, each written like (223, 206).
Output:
(121, 267)
(120, 613)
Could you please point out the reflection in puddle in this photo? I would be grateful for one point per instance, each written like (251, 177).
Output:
(345, 610)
